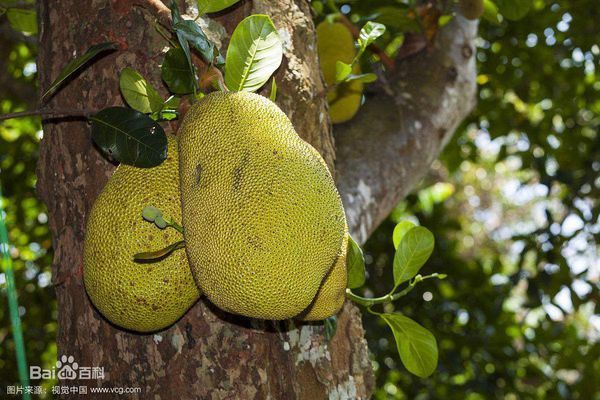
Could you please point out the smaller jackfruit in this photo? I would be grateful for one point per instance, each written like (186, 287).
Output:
(336, 43)
(471, 9)
(138, 296)
(332, 293)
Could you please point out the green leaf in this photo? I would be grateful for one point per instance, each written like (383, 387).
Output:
(356, 265)
(369, 33)
(400, 230)
(273, 94)
(342, 70)
(211, 6)
(150, 213)
(416, 345)
(254, 53)
(189, 31)
(160, 222)
(129, 136)
(414, 249)
(77, 63)
(330, 327)
(364, 78)
(176, 72)
(138, 93)
(514, 9)
(444, 20)
(185, 46)
(159, 254)
(22, 20)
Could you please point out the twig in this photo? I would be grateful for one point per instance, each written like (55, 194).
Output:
(56, 113)
(158, 9)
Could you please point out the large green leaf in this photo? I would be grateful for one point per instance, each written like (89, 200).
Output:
(211, 6)
(77, 63)
(356, 265)
(176, 72)
(514, 9)
(254, 53)
(400, 230)
(129, 136)
(138, 93)
(412, 252)
(416, 345)
(22, 20)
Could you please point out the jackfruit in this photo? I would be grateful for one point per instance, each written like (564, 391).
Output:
(263, 221)
(336, 43)
(147, 296)
(330, 298)
(471, 9)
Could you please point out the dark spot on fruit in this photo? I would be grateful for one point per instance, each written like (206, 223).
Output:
(198, 173)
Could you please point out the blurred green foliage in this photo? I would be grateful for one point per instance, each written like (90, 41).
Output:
(513, 205)
(25, 215)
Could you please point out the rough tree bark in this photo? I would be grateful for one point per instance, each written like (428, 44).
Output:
(208, 354)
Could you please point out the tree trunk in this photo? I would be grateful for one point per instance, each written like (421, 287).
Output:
(207, 354)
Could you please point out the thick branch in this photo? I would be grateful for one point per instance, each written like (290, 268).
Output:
(388, 147)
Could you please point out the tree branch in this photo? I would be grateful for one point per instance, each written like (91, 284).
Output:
(158, 9)
(388, 147)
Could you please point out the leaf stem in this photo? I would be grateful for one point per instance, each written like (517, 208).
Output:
(56, 113)
(390, 297)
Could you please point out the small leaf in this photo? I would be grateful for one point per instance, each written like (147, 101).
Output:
(416, 345)
(414, 249)
(77, 63)
(330, 327)
(172, 103)
(160, 222)
(129, 136)
(176, 72)
(369, 33)
(22, 20)
(150, 213)
(356, 265)
(138, 93)
(211, 6)
(342, 70)
(400, 230)
(444, 20)
(254, 53)
(273, 94)
(159, 254)
(364, 78)
(514, 9)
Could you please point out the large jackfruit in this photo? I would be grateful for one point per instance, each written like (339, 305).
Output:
(137, 296)
(263, 221)
(336, 43)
